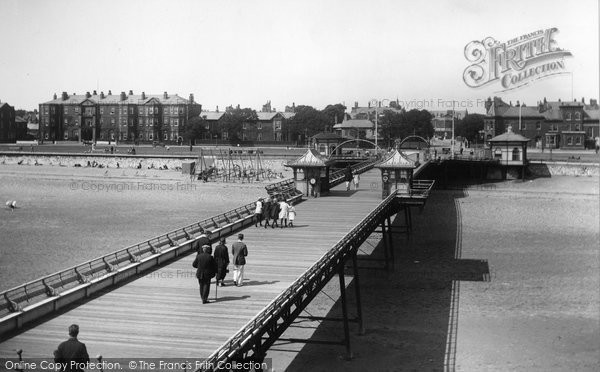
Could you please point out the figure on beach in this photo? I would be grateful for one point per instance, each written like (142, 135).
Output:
(348, 177)
(355, 179)
(275, 209)
(266, 212)
(283, 213)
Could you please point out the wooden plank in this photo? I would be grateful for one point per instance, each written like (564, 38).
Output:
(160, 314)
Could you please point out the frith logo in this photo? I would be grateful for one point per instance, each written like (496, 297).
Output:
(516, 62)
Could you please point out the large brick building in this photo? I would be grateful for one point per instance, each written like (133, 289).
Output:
(557, 124)
(122, 117)
(8, 132)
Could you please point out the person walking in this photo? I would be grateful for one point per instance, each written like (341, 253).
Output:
(239, 252)
(206, 269)
(348, 177)
(292, 214)
(275, 209)
(355, 179)
(283, 213)
(266, 212)
(258, 212)
(221, 256)
(72, 353)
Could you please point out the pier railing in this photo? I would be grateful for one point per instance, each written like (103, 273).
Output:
(337, 177)
(32, 300)
(264, 329)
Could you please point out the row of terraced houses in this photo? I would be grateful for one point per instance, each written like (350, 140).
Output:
(163, 118)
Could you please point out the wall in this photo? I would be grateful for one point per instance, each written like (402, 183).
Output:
(550, 169)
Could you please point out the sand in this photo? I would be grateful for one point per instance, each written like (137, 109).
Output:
(490, 280)
(69, 215)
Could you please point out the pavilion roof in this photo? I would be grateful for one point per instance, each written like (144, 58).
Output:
(397, 159)
(311, 158)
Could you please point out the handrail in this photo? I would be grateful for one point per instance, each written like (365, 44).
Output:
(242, 339)
(50, 285)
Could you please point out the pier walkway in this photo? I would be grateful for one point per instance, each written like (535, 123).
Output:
(160, 314)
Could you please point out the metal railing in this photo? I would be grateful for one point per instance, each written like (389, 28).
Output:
(274, 316)
(337, 177)
(16, 299)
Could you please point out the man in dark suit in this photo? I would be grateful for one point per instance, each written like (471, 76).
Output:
(221, 256)
(206, 268)
(72, 353)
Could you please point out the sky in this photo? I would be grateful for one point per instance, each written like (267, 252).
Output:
(304, 52)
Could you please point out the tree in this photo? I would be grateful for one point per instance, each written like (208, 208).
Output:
(390, 125)
(334, 113)
(195, 128)
(418, 122)
(233, 121)
(306, 122)
(469, 126)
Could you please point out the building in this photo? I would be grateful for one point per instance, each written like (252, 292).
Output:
(355, 129)
(8, 130)
(123, 117)
(556, 124)
(442, 122)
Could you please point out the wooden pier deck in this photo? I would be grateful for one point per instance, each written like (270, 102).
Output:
(160, 315)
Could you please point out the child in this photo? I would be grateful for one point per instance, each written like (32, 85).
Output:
(292, 214)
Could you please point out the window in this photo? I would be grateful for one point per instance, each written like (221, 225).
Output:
(259, 137)
(538, 125)
(45, 112)
(524, 126)
(568, 116)
(243, 136)
(151, 136)
(76, 109)
(45, 135)
(131, 110)
(224, 135)
(244, 126)
(515, 154)
(176, 122)
(66, 135)
(277, 124)
(112, 110)
(166, 137)
(577, 126)
(577, 115)
(578, 140)
(207, 126)
(66, 121)
(76, 123)
(141, 135)
(112, 121)
(569, 140)
(66, 109)
(259, 125)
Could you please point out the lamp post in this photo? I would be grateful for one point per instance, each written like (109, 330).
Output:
(377, 103)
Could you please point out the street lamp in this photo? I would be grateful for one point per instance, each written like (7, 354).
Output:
(377, 103)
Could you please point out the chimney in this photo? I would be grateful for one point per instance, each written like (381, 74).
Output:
(55, 96)
(102, 95)
(109, 93)
(518, 103)
(94, 93)
(582, 100)
(217, 108)
(87, 95)
(369, 104)
(165, 95)
(65, 96)
(355, 104)
(131, 92)
(123, 96)
(143, 95)
(192, 98)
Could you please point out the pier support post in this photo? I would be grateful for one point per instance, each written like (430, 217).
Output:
(386, 245)
(361, 328)
(390, 240)
(345, 311)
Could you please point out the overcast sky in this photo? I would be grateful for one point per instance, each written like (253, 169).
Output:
(308, 52)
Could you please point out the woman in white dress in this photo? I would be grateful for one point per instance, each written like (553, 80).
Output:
(292, 214)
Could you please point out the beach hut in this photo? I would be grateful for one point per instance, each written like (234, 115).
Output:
(311, 173)
(396, 173)
(510, 149)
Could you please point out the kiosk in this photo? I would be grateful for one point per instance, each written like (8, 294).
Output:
(396, 173)
(311, 173)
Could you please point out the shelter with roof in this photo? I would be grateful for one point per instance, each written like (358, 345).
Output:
(122, 117)
(355, 128)
(396, 173)
(311, 173)
(326, 143)
(510, 149)
(549, 124)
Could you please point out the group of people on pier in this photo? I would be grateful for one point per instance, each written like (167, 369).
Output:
(274, 210)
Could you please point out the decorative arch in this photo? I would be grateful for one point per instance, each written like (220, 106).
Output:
(356, 140)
